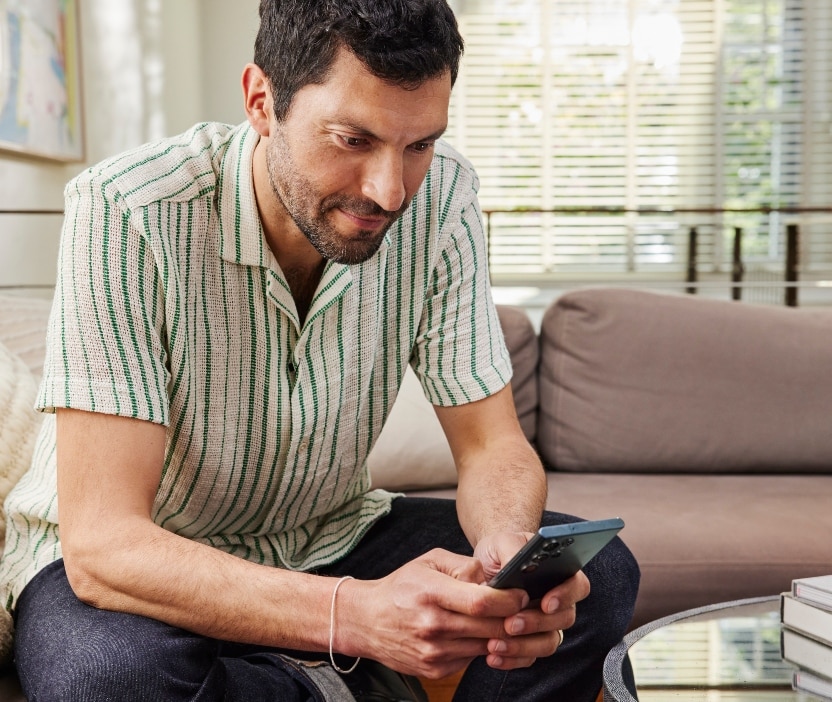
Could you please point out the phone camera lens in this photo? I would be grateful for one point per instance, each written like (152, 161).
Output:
(550, 545)
(538, 557)
(568, 541)
(529, 568)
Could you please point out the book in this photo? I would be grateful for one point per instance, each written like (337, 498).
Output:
(809, 619)
(806, 653)
(804, 681)
(817, 590)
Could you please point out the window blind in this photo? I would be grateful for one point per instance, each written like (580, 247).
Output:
(580, 113)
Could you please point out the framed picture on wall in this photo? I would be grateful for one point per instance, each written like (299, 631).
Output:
(40, 92)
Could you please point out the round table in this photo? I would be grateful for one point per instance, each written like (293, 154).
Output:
(729, 652)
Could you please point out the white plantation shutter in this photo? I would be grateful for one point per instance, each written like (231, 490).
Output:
(583, 105)
(817, 132)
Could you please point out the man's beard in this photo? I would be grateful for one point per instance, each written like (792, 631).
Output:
(309, 212)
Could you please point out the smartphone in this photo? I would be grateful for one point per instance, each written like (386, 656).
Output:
(555, 554)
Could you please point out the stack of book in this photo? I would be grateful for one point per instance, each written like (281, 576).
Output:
(806, 634)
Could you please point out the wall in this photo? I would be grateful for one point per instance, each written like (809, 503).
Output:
(149, 68)
(232, 26)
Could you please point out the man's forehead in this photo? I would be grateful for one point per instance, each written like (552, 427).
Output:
(366, 104)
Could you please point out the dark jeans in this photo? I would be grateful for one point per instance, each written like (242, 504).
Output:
(66, 650)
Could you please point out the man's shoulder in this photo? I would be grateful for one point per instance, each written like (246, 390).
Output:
(445, 155)
(179, 168)
(451, 176)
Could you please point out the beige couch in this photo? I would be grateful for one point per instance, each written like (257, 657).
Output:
(705, 425)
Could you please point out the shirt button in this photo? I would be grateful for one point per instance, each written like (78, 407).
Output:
(303, 445)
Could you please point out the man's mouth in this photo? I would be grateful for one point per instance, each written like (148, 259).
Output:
(367, 222)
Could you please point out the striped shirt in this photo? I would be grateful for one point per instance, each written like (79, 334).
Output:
(171, 308)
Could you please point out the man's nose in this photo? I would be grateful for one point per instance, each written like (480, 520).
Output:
(384, 181)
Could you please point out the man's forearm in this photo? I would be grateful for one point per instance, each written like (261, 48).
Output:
(157, 574)
(503, 488)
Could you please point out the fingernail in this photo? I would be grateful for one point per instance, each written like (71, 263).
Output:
(552, 606)
(517, 626)
(500, 647)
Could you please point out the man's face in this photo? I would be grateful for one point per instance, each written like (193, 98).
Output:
(351, 154)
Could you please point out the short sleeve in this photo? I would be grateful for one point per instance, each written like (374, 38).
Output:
(105, 344)
(460, 354)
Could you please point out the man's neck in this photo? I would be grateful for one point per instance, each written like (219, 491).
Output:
(301, 264)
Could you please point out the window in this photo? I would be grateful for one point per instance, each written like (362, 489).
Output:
(586, 111)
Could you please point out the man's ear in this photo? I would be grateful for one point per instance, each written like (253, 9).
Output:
(257, 98)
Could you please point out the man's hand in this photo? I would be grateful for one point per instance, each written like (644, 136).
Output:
(531, 633)
(429, 618)
(434, 615)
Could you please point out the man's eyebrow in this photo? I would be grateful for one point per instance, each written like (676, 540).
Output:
(435, 135)
(363, 131)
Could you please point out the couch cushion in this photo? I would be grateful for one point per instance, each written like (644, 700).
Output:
(703, 539)
(641, 381)
(412, 452)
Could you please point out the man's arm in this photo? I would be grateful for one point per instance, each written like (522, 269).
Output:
(502, 486)
(116, 558)
(500, 499)
(423, 621)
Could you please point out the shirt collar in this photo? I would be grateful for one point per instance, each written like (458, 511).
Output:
(241, 233)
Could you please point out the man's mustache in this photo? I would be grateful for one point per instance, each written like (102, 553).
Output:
(361, 207)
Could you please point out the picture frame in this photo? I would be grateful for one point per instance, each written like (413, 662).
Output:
(40, 79)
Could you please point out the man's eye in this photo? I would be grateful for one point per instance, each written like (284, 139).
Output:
(422, 146)
(353, 141)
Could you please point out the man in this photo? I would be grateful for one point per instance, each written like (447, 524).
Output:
(234, 312)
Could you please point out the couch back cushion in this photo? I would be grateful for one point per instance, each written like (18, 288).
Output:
(644, 381)
(412, 453)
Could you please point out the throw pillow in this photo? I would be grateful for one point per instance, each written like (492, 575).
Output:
(20, 424)
(18, 432)
(411, 452)
(23, 323)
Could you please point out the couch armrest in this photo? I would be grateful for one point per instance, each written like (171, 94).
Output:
(523, 347)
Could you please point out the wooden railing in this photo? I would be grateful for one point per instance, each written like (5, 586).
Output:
(789, 279)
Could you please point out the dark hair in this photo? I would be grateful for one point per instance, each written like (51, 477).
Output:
(404, 42)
